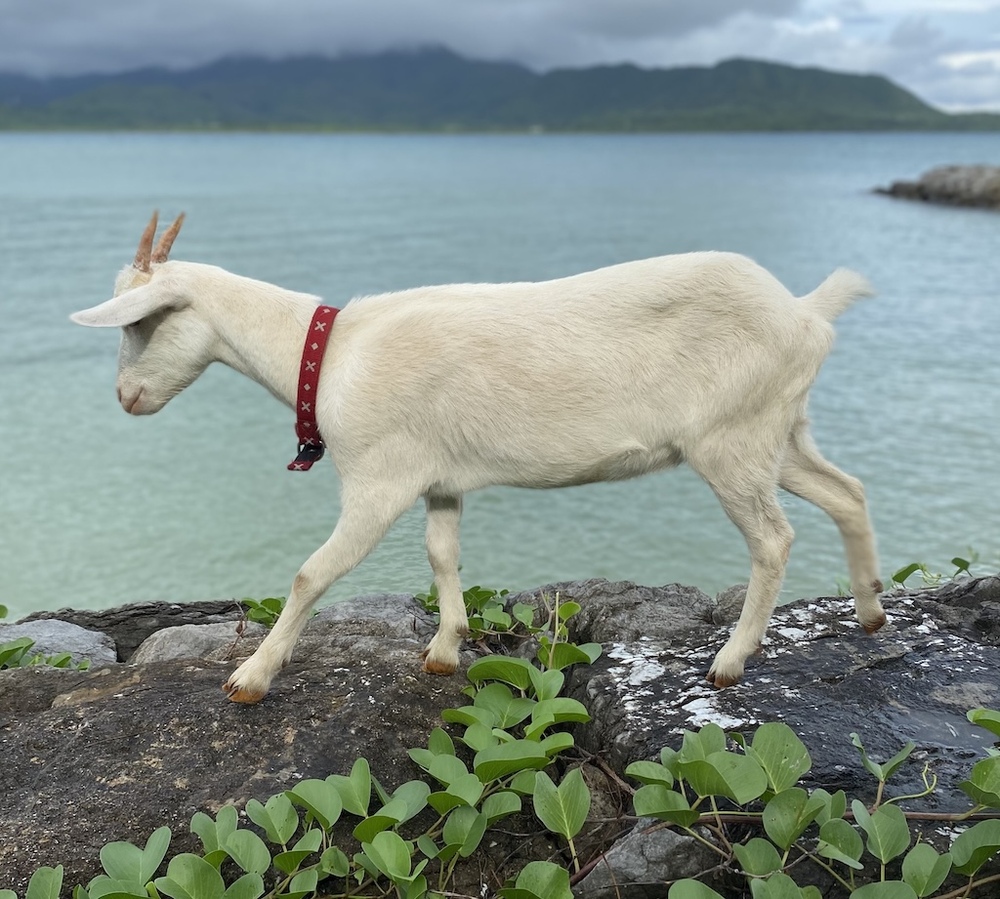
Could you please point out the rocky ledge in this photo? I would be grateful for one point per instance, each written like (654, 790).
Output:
(146, 737)
(956, 185)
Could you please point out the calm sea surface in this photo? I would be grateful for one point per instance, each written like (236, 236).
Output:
(99, 508)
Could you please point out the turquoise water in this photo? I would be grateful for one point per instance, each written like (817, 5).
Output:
(195, 503)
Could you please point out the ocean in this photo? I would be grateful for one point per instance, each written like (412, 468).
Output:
(99, 508)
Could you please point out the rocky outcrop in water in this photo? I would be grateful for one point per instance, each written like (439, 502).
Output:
(114, 752)
(956, 185)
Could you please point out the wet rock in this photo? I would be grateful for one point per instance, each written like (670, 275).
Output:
(957, 185)
(824, 677)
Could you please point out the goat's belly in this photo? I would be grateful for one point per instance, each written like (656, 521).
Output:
(618, 466)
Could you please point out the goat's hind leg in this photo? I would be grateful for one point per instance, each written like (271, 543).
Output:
(808, 475)
(751, 503)
(443, 516)
(365, 517)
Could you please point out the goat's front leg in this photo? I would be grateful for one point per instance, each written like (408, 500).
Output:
(769, 537)
(443, 515)
(364, 519)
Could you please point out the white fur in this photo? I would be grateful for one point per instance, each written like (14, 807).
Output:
(701, 358)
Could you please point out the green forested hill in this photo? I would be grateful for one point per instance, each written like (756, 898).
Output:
(436, 90)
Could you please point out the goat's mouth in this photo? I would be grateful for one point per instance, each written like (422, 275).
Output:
(132, 403)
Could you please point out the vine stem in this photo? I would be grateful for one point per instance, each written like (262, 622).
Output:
(815, 859)
(964, 891)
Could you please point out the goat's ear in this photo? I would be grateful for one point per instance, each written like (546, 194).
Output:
(125, 309)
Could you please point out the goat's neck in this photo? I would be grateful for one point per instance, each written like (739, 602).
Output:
(261, 330)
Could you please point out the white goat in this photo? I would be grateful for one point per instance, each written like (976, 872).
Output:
(701, 358)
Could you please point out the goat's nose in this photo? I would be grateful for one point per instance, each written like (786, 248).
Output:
(130, 403)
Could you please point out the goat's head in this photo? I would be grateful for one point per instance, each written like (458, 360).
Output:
(165, 345)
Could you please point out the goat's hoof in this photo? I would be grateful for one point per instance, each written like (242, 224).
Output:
(432, 666)
(239, 694)
(873, 626)
(719, 681)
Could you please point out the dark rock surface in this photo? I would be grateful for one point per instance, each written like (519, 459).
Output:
(957, 185)
(90, 757)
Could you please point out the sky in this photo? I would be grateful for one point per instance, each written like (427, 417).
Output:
(945, 51)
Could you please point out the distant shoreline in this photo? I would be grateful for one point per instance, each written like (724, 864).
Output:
(438, 91)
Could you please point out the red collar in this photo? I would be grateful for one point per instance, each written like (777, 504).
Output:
(311, 444)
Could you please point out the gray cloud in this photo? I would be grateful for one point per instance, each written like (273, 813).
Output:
(46, 37)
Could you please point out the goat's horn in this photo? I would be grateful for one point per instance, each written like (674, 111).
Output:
(145, 244)
(166, 240)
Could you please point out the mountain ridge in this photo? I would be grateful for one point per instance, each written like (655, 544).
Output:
(437, 90)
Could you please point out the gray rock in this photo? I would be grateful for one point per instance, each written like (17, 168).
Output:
(394, 615)
(54, 636)
(729, 604)
(960, 185)
(196, 641)
(130, 624)
(640, 864)
(625, 611)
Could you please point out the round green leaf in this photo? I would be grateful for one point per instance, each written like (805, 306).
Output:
(736, 777)
(711, 738)
(509, 669)
(500, 805)
(650, 773)
(988, 718)
(562, 809)
(389, 853)
(891, 889)
(924, 869)
(788, 814)
(887, 830)
(975, 846)
(544, 880)
(355, 790)
(469, 714)
(305, 846)
(758, 857)
(505, 759)
(249, 886)
(248, 851)
(191, 877)
(777, 886)
(464, 828)
(277, 818)
(840, 842)
(322, 799)
(656, 801)
(335, 862)
(131, 865)
(782, 755)
(45, 883)
(507, 709)
(983, 785)
(465, 790)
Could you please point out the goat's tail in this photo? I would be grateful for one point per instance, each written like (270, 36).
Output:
(837, 292)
